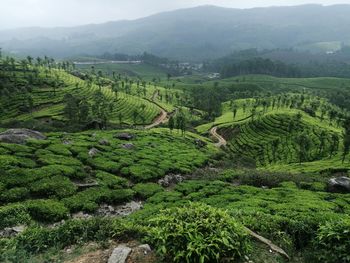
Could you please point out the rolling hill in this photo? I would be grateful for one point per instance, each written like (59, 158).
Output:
(193, 34)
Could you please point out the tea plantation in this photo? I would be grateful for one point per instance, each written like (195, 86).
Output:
(126, 158)
(44, 180)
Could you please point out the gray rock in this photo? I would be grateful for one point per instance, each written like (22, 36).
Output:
(12, 231)
(120, 210)
(339, 185)
(81, 215)
(119, 254)
(66, 142)
(125, 136)
(104, 142)
(93, 152)
(128, 146)
(145, 247)
(20, 136)
(171, 179)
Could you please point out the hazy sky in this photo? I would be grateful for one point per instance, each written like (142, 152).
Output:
(22, 13)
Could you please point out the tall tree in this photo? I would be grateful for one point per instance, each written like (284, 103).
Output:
(171, 124)
(346, 141)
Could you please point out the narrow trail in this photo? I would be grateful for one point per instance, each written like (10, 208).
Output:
(162, 118)
(221, 141)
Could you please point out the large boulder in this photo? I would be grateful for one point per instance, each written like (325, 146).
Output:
(339, 185)
(20, 136)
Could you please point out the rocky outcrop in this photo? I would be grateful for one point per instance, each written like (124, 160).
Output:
(121, 210)
(104, 142)
(11, 231)
(171, 179)
(20, 136)
(339, 185)
(128, 146)
(93, 152)
(125, 136)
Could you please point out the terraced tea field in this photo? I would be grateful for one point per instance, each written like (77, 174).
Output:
(48, 100)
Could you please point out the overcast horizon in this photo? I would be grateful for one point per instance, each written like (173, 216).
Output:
(67, 13)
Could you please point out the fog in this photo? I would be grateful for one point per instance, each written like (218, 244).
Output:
(51, 13)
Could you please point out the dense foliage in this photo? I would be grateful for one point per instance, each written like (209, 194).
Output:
(198, 233)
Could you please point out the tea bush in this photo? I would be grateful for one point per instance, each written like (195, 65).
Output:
(57, 186)
(110, 180)
(147, 190)
(198, 233)
(14, 195)
(47, 210)
(332, 243)
(12, 215)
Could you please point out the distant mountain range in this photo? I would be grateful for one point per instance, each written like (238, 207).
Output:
(193, 34)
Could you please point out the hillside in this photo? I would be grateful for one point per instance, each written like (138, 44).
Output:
(183, 34)
(40, 93)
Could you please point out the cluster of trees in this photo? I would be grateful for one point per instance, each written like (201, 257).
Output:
(259, 66)
(296, 63)
(78, 110)
(179, 122)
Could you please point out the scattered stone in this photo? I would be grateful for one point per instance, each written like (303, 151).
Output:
(66, 142)
(12, 231)
(81, 215)
(199, 143)
(171, 179)
(339, 185)
(104, 142)
(119, 254)
(120, 210)
(128, 146)
(93, 152)
(20, 136)
(125, 136)
(146, 248)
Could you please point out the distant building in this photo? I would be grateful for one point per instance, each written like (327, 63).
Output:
(214, 75)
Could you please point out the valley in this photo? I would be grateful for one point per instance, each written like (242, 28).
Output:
(233, 150)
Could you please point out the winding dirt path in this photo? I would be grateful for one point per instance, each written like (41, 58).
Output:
(162, 118)
(221, 141)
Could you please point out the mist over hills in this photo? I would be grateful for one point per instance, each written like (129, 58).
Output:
(193, 34)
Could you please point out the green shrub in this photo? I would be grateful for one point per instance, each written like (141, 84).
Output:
(257, 178)
(39, 239)
(59, 149)
(197, 233)
(332, 244)
(110, 180)
(89, 199)
(47, 210)
(56, 186)
(14, 195)
(147, 190)
(12, 215)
